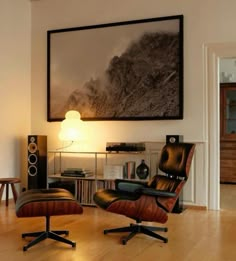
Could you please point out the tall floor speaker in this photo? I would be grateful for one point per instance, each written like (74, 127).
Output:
(37, 161)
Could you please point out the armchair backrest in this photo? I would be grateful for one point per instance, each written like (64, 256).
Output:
(176, 159)
(175, 162)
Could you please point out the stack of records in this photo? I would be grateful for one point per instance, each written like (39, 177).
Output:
(77, 172)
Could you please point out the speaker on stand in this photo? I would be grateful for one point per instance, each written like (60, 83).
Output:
(178, 208)
(37, 161)
(174, 138)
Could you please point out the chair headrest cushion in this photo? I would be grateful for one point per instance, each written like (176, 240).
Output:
(175, 159)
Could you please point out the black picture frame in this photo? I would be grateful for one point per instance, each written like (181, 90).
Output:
(131, 70)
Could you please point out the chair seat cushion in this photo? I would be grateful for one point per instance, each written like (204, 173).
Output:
(46, 202)
(133, 205)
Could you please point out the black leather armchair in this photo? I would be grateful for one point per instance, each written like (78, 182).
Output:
(149, 201)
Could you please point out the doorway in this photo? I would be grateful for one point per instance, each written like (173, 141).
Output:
(227, 89)
(213, 53)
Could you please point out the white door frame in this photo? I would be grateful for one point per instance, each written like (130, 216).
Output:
(212, 55)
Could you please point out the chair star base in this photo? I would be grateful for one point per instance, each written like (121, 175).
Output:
(138, 228)
(42, 235)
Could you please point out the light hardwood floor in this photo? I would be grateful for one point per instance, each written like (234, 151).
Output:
(193, 235)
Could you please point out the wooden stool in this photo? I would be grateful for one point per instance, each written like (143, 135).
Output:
(7, 182)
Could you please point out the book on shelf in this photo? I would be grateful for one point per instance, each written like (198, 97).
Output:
(129, 170)
(86, 189)
(77, 172)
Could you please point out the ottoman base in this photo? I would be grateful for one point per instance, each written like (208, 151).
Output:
(40, 236)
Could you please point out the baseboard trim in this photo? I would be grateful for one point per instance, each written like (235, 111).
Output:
(195, 207)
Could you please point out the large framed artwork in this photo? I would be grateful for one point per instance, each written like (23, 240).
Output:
(130, 70)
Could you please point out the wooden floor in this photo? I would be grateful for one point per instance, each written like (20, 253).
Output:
(193, 235)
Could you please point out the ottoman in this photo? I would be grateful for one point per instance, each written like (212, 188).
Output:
(47, 203)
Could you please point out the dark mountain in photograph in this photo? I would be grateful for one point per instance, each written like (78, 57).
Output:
(143, 82)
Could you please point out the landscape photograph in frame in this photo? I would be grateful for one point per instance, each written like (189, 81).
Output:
(131, 70)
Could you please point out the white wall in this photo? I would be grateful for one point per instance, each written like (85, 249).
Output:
(15, 56)
(205, 22)
(61, 14)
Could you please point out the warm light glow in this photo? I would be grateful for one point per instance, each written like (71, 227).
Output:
(71, 127)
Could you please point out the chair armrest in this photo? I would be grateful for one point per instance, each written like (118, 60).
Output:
(129, 185)
(157, 193)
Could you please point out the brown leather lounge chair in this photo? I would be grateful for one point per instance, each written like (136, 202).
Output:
(149, 201)
(47, 203)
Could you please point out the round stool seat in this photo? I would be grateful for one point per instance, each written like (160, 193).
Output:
(6, 182)
(9, 180)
